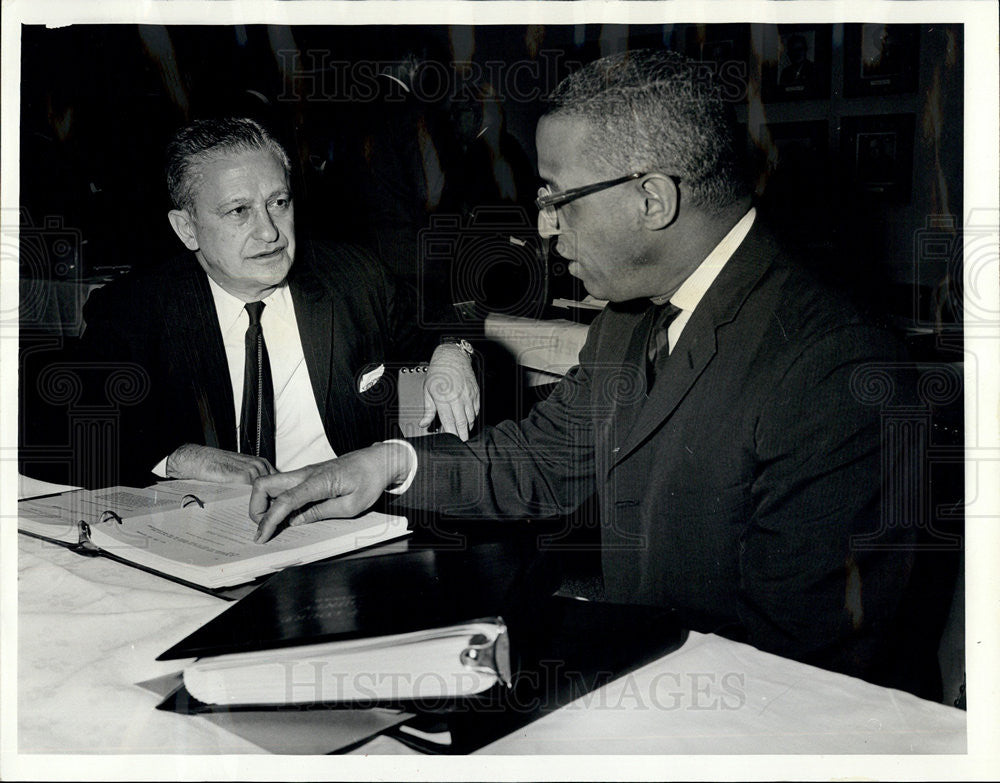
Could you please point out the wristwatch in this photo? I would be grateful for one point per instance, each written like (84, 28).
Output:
(461, 342)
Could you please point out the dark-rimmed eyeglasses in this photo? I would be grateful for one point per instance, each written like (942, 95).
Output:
(547, 201)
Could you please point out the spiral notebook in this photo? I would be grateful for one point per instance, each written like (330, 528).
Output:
(195, 532)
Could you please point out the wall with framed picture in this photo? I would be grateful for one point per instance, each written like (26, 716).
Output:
(880, 58)
(878, 156)
(856, 133)
(795, 61)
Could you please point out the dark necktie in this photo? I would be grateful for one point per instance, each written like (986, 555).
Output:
(657, 349)
(257, 416)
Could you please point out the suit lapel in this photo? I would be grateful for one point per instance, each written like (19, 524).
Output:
(687, 361)
(632, 378)
(314, 314)
(196, 348)
(698, 344)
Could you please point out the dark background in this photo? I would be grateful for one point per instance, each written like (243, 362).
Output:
(100, 102)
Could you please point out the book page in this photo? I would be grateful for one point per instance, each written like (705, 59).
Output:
(222, 533)
(58, 516)
(206, 491)
(127, 502)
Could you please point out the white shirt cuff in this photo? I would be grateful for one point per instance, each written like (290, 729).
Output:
(161, 468)
(401, 488)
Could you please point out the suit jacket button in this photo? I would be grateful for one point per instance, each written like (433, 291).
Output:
(616, 449)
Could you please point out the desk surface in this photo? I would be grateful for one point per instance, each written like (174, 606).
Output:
(90, 629)
(549, 346)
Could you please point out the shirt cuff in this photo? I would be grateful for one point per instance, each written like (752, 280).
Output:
(401, 488)
(161, 468)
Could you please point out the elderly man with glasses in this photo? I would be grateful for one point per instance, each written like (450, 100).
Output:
(716, 410)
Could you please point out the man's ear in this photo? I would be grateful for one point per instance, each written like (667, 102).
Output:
(183, 225)
(661, 201)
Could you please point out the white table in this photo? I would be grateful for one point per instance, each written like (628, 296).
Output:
(91, 628)
(717, 696)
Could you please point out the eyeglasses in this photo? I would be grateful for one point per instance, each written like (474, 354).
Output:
(547, 201)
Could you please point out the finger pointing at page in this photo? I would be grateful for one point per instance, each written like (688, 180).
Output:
(342, 487)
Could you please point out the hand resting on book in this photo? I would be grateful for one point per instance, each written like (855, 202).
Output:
(339, 488)
(205, 463)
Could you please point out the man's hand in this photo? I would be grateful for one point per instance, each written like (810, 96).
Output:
(191, 461)
(342, 487)
(451, 391)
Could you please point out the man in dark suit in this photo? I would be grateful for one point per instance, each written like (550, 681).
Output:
(720, 410)
(330, 331)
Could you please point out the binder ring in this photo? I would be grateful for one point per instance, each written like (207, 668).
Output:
(108, 515)
(190, 500)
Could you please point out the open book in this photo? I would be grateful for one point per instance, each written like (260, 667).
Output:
(194, 531)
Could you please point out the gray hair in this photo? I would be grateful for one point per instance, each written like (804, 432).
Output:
(654, 110)
(204, 140)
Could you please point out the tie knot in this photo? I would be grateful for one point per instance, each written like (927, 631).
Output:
(664, 314)
(254, 309)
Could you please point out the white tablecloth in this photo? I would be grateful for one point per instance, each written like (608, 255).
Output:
(717, 696)
(90, 630)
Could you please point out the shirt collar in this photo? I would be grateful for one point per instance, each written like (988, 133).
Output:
(230, 309)
(694, 288)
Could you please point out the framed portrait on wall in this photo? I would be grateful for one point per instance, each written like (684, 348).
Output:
(795, 62)
(877, 152)
(880, 59)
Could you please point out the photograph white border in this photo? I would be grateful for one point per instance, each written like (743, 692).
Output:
(982, 285)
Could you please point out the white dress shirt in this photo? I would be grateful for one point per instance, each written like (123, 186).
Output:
(687, 297)
(299, 436)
